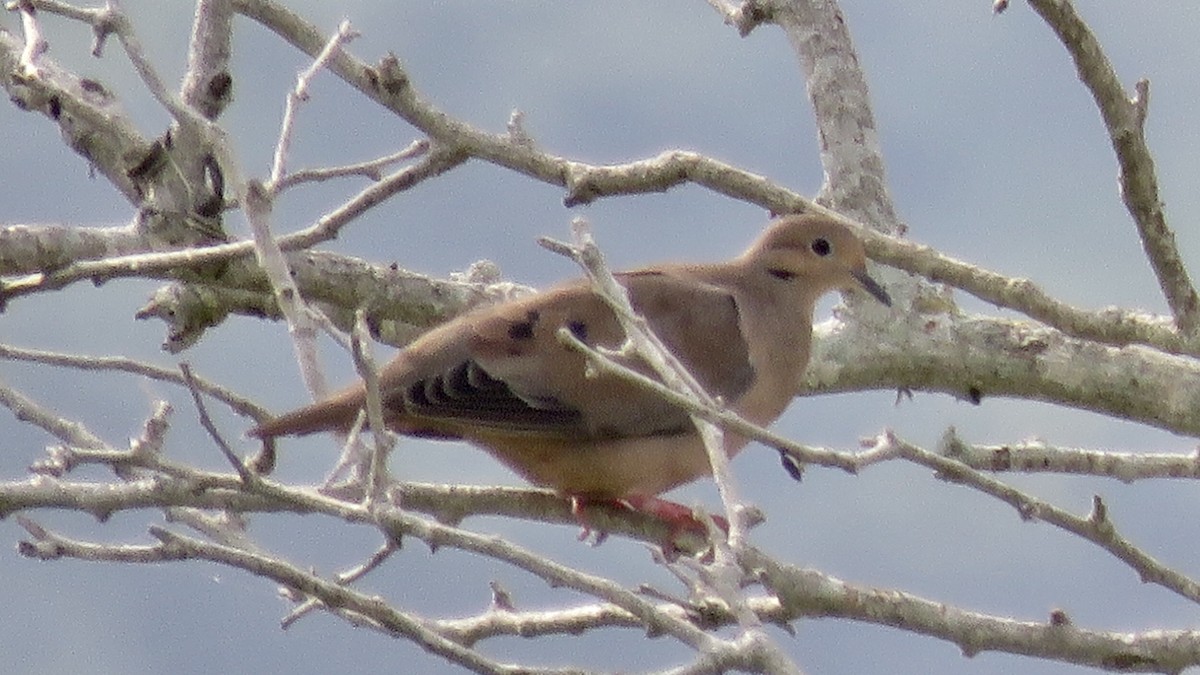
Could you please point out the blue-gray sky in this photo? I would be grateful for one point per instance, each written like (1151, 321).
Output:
(995, 154)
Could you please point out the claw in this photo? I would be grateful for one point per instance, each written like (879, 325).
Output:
(678, 518)
(586, 530)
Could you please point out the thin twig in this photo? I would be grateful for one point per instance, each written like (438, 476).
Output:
(649, 347)
(310, 603)
(258, 205)
(1124, 118)
(237, 403)
(68, 431)
(1036, 456)
(35, 44)
(205, 421)
(298, 95)
(370, 169)
(729, 420)
(1097, 528)
(377, 473)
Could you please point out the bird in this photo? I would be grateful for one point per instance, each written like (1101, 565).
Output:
(500, 378)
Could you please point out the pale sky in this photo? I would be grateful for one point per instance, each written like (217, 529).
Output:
(995, 154)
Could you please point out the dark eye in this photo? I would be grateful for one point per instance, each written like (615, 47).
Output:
(781, 274)
(821, 247)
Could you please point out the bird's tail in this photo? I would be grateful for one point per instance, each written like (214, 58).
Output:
(337, 413)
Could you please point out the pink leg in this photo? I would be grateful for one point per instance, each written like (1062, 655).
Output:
(578, 504)
(674, 514)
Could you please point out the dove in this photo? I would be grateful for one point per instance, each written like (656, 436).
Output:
(500, 378)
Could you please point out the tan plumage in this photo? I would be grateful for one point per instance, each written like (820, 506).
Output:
(500, 379)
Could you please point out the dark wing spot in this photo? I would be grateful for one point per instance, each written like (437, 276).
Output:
(521, 331)
(524, 329)
(578, 329)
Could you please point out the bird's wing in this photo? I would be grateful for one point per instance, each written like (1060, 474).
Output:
(505, 369)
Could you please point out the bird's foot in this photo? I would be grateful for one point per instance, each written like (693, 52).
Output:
(586, 531)
(678, 517)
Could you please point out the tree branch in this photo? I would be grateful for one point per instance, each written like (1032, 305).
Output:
(1124, 118)
(805, 592)
(1037, 456)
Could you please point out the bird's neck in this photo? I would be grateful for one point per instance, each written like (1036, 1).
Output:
(778, 364)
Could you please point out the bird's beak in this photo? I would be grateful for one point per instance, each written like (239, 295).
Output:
(871, 286)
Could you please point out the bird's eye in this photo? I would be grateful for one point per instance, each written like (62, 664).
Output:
(781, 274)
(821, 246)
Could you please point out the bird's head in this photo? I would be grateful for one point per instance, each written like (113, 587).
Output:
(816, 253)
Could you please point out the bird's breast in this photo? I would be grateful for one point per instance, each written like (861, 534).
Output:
(609, 468)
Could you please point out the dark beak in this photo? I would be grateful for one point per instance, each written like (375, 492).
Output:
(872, 286)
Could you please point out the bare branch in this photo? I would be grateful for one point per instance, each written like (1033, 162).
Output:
(284, 289)
(1096, 528)
(722, 576)
(1112, 326)
(298, 95)
(309, 604)
(802, 592)
(439, 160)
(208, 85)
(364, 362)
(370, 169)
(668, 367)
(88, 115)
(28, 410)
(973, 358)
(1124, 118)
(246, 475)
(121, 364)
(1037, 456)
(855, 183)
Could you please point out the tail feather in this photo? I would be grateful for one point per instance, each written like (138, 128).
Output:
(328, 415)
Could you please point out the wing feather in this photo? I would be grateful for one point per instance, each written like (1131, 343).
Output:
(509, 371)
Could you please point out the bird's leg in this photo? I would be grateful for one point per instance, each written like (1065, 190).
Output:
(677, 516)
(578, 503)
